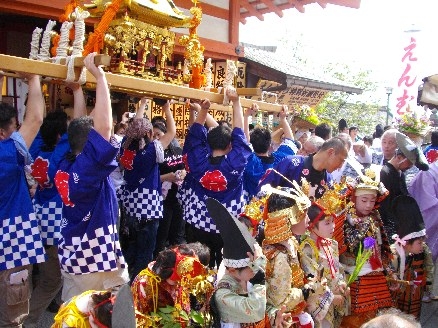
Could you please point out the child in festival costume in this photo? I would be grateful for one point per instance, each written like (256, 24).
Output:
(320, 258)
(286, 210)
(240, 296)
(169, 281)
(89, 309)
(412, 260)
(368, 254)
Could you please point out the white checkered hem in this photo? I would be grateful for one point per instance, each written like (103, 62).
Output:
(21, 242)
(49, 218)
(143, 203)
(96, 251)
(195, 211)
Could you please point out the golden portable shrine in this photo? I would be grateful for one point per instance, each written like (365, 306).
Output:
(137, 40)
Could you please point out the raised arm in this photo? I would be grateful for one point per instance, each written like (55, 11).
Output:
(140, 110)
(170, 126)
(248, 112)
(237, 108)
(79, 106)
(34, 110)
(203, 107)
(102, 110)
(284, 123)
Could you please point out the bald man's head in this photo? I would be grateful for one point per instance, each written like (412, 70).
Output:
(392, 318)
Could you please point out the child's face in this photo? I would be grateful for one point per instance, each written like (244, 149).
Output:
(242, 275)
(364, 204)
(325, 228)
(300, 227)
(415, 248)
(157, 134)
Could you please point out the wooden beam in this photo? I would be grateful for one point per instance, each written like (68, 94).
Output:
(233, 22)
(207, 9)
(270, 4)
(103, 60)
(251, 10)
(123, 83)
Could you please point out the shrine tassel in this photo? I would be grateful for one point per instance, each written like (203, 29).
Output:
(68, 9)
(95, 41)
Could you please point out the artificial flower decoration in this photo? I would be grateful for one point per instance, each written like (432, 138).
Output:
(362, 257)
(306, 115)
(413, 122)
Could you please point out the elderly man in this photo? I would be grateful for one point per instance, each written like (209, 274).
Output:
(389, 145)
(392, 176)
(311, 146)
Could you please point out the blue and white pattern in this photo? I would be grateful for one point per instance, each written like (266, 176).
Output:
(96, 251)
(143, 203)
(195, 211)
(49, 218)
(21, 242)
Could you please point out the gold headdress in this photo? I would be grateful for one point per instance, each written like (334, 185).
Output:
(366, 183)
(254, 210)
(297, 193)
(279, 223)
(333, 200)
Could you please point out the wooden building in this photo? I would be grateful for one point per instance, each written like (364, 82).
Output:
(218, 32)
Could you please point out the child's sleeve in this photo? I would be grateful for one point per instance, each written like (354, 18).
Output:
(241, 309)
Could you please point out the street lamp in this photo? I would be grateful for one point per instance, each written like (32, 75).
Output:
(434, 118)
(388, 112)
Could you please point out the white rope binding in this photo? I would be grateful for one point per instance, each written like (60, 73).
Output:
(78, 47)
(44, 54)
(230, 73)
(208, 75)
(64, 40)
(35, 43)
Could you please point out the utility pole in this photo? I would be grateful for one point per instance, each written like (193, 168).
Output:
(388, 112)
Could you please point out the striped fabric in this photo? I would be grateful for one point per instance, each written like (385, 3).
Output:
(370, 292)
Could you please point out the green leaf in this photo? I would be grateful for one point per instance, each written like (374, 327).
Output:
(197, 317)
(167, 309)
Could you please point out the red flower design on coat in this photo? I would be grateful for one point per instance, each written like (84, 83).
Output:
(39, 171)
(214, 181)
(61, 182)
(127, 159)
(186, 163)
(432, 155)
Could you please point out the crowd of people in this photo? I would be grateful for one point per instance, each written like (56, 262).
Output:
(227, 229)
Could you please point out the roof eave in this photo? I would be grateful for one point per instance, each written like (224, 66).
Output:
(294, 80)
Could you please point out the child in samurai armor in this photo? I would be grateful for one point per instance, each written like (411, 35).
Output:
(286, 210)
(320, 258)
(367, 259)
(240, 296)
(412, 261)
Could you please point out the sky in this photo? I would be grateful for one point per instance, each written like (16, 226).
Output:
(369, 38)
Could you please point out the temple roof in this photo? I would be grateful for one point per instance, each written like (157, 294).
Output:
(294, 74)
(257, 8)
